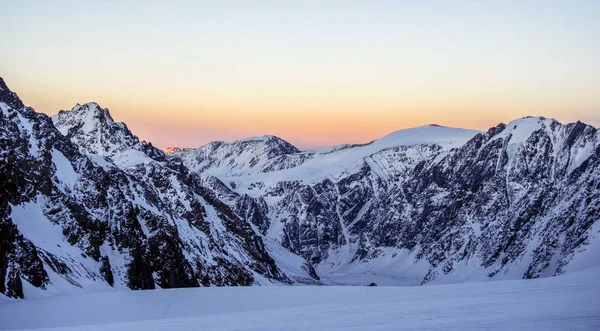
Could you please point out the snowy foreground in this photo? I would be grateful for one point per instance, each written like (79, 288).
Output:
(569, 302)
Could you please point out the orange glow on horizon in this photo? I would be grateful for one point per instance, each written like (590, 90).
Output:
(191, 123)
(313, 73)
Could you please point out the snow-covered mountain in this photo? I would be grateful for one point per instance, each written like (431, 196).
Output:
(239, 157)
(428, 204)
(85, 205)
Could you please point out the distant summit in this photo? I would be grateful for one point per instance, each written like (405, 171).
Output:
(171, 150)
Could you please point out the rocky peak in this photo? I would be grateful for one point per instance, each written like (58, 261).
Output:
(9, 97)
(94, 131)
(273, 145)
(236, 157)
(86, 118)
(526, 131)
(533, 122)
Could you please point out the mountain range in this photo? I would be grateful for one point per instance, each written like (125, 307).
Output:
(85, 205)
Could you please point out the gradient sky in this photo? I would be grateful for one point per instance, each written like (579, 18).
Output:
(315, 73)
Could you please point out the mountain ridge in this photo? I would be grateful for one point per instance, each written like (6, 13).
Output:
(86, 205)
(346, 221)
(173, 149)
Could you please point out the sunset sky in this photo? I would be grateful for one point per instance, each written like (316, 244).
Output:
(315, 73)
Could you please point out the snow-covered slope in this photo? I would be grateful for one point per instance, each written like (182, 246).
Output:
(567, 302)
(96, 209)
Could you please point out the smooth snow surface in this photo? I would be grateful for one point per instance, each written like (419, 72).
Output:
(67, 176)
(427, 134)
(568, 302)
